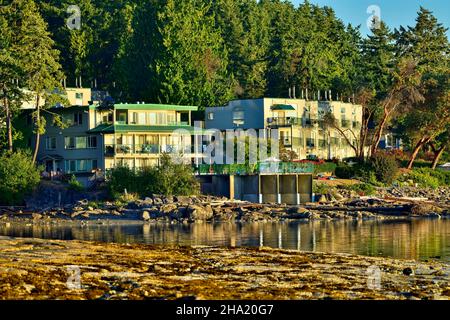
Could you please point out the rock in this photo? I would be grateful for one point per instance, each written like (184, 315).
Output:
(408, 271)
(298, 210)
(168, 208)
(146, 216)
(183, 200)
(83, 202)
(198, 212)
(37, 216)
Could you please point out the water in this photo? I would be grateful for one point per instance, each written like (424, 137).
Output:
(416, 239)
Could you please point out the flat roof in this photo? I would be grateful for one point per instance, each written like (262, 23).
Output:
(151, 106)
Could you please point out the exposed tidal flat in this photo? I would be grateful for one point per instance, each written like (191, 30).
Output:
(44, 269)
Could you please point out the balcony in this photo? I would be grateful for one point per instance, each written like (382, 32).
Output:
(145, 149)
(292, 121)
(284, 121)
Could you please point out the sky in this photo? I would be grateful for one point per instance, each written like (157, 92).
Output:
(394, 12)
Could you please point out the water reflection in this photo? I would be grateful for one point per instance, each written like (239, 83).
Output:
(417, 239)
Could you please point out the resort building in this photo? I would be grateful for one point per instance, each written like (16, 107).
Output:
(97, 137)
(298, 121)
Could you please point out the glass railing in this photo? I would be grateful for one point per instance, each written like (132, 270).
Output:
(261, 167)
(293, 121)
(147, 149)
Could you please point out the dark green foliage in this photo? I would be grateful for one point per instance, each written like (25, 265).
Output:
(325, 167)
(169, 178)
(18, 176)
(74, 184)
(365, 189)
(385, 167)
(344, 171)
(427, 177)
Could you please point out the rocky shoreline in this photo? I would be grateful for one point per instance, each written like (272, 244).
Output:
(47, 269)
(389, 204)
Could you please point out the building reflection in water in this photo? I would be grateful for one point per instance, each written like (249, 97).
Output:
(416, 239)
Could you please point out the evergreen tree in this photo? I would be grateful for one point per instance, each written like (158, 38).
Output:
(42, 74)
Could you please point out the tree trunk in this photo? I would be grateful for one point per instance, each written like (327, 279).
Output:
(38, 129)
(379, 133)
(416, 150)
(8, 125)
(437, 156)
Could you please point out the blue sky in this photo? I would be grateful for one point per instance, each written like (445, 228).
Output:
(393, 12)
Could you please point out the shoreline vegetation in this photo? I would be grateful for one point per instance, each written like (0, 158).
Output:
(337, 204)
(38, 269)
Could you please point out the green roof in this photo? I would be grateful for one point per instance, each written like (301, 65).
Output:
(123, 128)
(136, 106)
(286, 107)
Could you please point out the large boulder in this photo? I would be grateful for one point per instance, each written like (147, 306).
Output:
(198, 212)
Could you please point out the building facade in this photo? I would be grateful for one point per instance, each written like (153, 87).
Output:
(98, 137)
(299, 123)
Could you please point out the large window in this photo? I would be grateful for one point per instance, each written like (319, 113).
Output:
(238, 116)
(80, 166)
(50, 143)
(89, 142)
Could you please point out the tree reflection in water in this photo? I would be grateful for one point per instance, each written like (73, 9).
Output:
(416, 239)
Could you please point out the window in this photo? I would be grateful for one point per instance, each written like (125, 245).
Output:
(80, 142)
(141, 118)
(238, 116)
(50, 143)
(80, 166)
(78, 118)
(152, 118)
(211, 116)
(92, 142)
(171, 119)
(78, 95)
(162, 120)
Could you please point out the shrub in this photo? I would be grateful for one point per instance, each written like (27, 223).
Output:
(320, 188)
(325, 167)
(361, 188)
(74, 184)
(344, 171)
(18, 176)
(385, 167)
(426, 177)
(169, 178)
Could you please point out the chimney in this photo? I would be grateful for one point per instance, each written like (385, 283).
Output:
(290, 96)
(76, 82)
(95, 83)
(307, 94)
(81, 85)
(330, 96)
(326, 95)
(318, 95)
(303, 94)
(293, 92)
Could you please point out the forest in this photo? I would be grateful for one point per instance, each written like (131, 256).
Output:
(208, 52)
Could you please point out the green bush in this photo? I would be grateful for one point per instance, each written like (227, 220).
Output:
(385, 167)
(169, 178)
(361, 188)
(74, 184)
(320, 188)
(428, 178)
(18, 177)
(325, 167)
(344, 171)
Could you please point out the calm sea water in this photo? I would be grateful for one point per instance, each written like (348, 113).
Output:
(416, 239)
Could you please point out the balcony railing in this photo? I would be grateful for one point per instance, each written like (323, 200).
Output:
(293, 121)
(146, 149)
